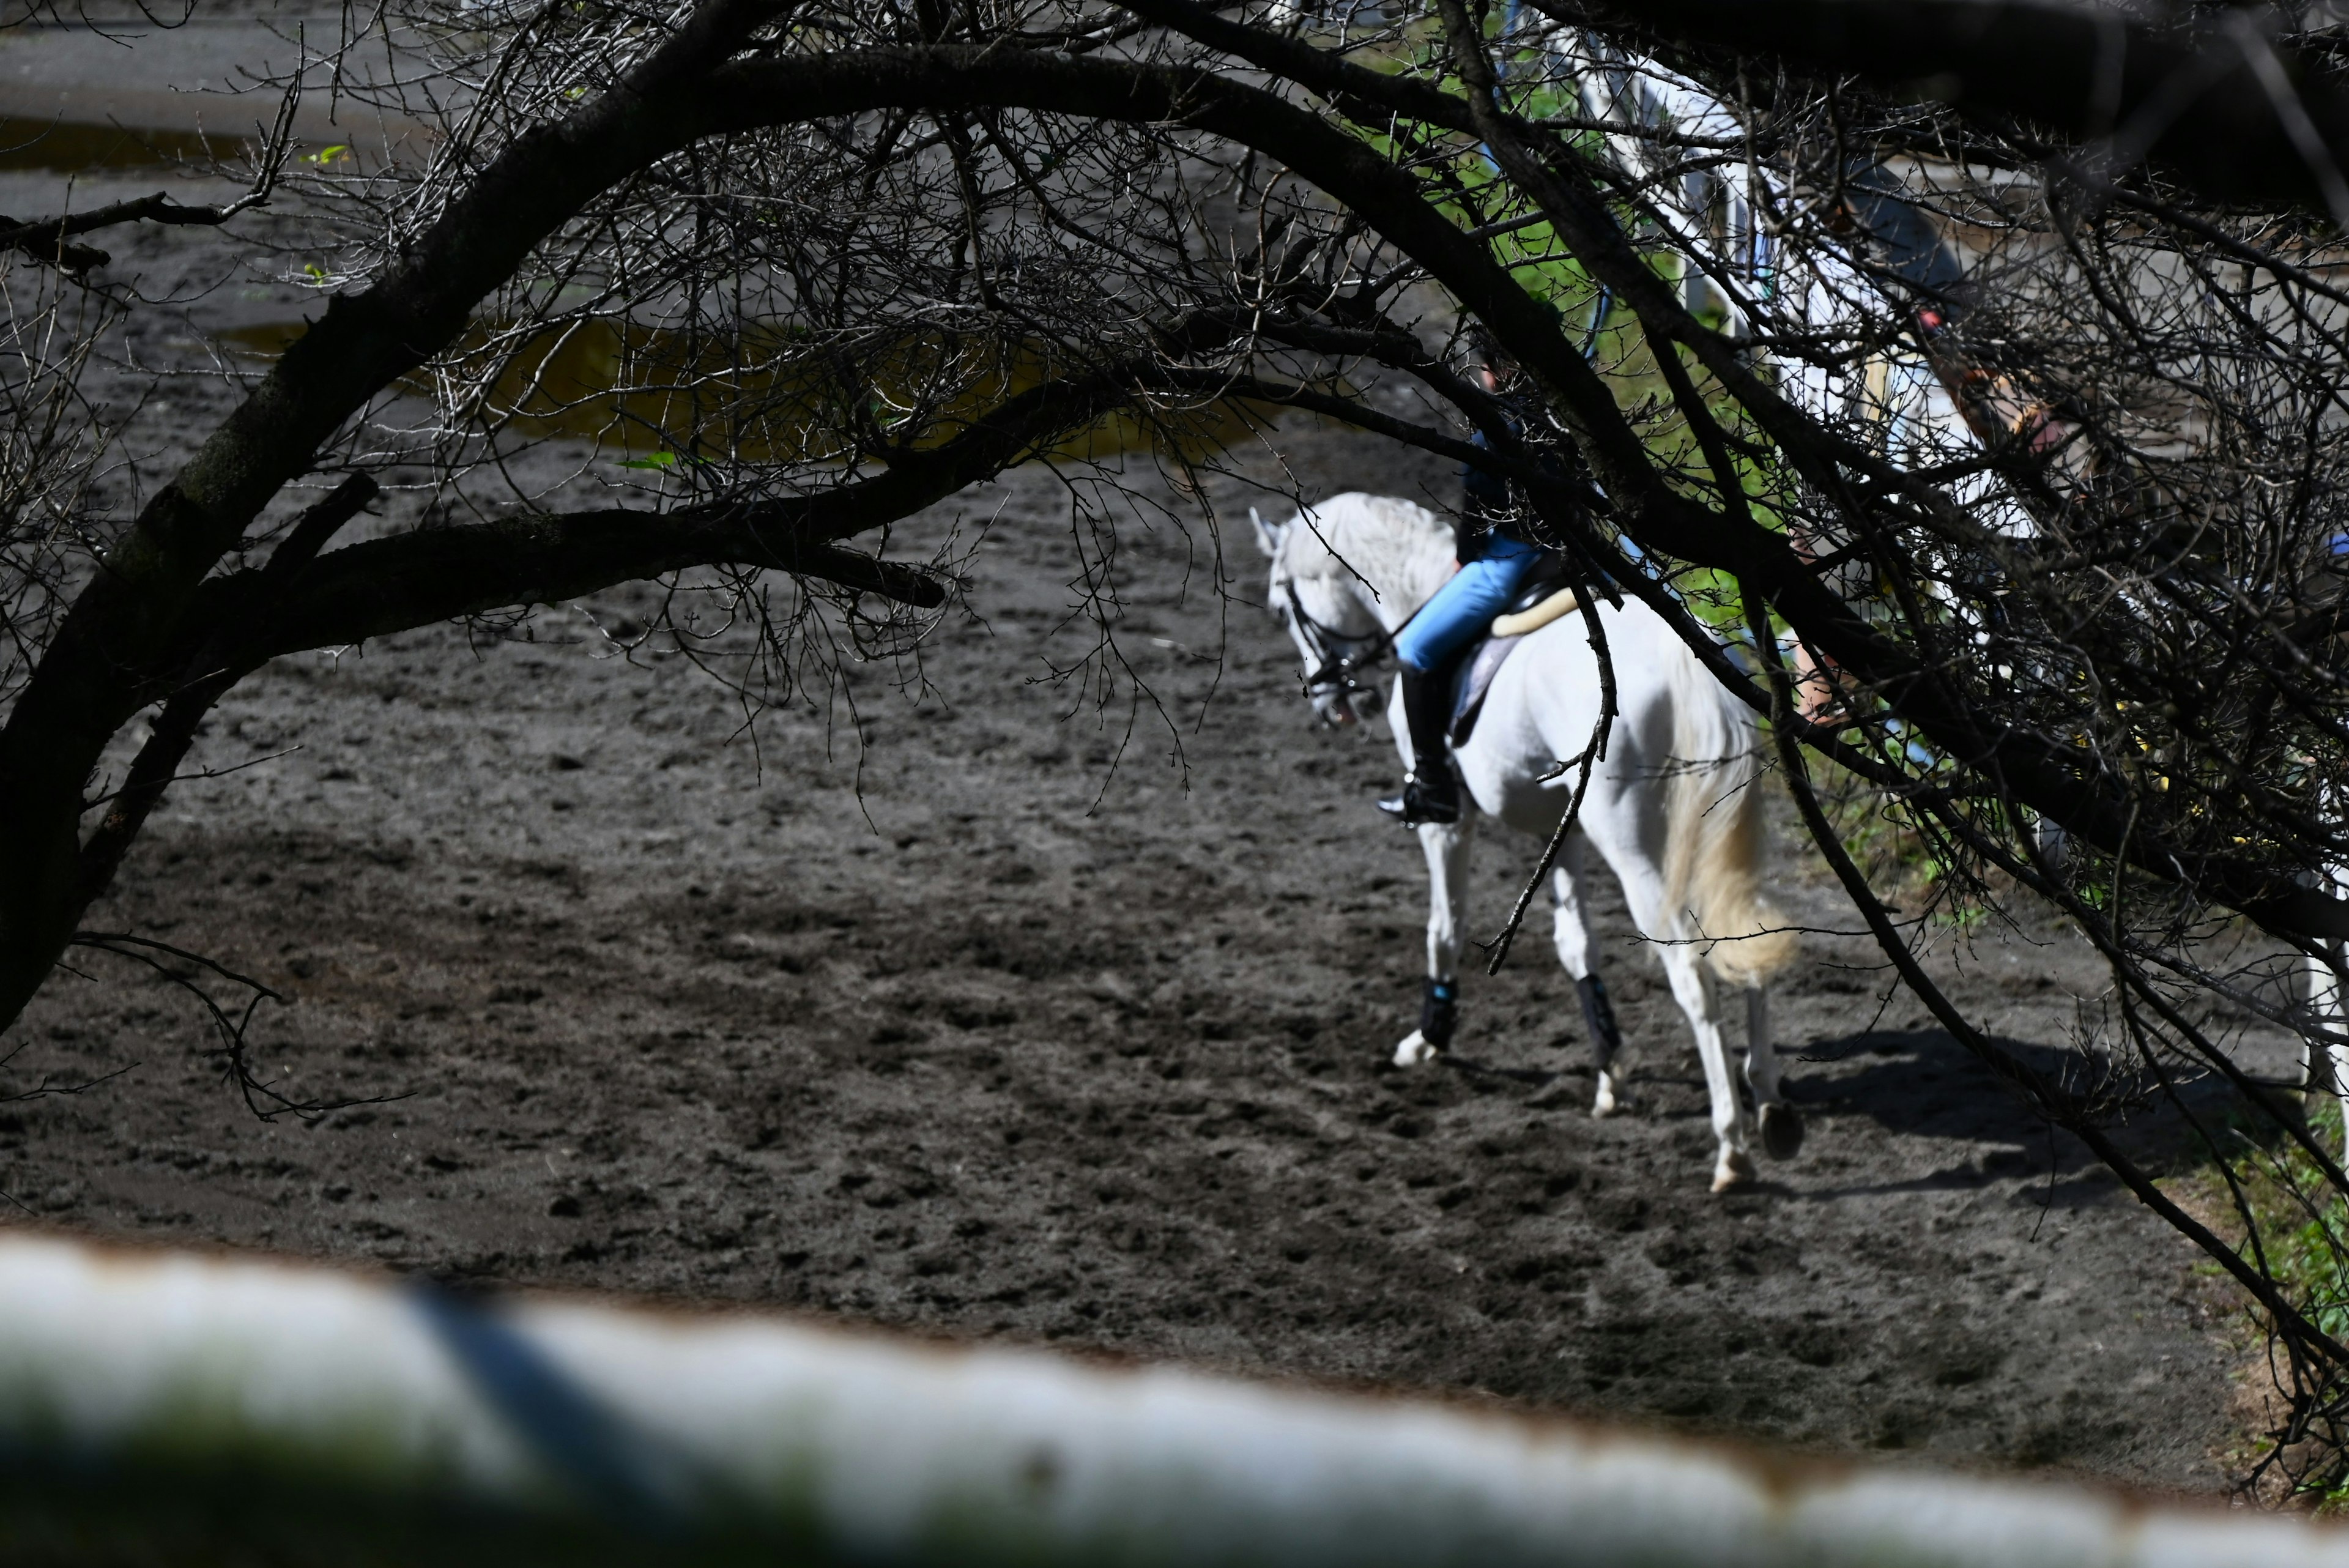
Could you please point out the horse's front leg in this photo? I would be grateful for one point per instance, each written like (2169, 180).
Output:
(1692, 988)
(1782, 1124)
(1447, 913)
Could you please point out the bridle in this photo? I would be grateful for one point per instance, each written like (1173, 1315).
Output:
(1342, 657)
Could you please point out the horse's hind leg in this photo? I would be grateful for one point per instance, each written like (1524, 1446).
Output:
(1692, 988)
(1447, 896)
(1782, 1124)
(1575, 950)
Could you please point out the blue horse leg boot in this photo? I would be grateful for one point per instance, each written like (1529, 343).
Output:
(1599, 1016)
(1432, 793)
(1439, 1012)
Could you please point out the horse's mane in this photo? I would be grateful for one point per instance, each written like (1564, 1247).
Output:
(1400, 549)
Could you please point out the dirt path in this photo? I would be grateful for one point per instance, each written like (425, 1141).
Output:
(674, 1018)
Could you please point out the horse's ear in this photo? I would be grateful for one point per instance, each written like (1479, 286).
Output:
(1267, 537)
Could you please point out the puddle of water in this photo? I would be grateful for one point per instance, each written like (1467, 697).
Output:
(645, 395)
(68, 148)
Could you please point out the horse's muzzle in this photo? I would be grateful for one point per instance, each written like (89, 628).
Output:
(1341, 709)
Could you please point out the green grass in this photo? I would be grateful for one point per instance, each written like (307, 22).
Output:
(2302, 1229)
(2303, 1223)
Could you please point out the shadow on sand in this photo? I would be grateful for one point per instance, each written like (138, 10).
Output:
(1922, 1084)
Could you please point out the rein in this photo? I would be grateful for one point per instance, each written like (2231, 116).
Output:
(1341, 656)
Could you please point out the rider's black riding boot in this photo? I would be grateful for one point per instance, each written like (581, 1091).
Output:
(1432, 793)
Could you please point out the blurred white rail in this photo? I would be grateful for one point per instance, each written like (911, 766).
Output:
(135, 1375)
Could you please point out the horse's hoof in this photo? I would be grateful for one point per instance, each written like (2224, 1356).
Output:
(1735, 1170)
(1782, 1131)
(1414, 1051)
(1606, 1104)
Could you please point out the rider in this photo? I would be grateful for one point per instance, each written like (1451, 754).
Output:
(1495, 561)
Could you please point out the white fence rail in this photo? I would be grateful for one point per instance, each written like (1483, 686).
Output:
(178, 1407)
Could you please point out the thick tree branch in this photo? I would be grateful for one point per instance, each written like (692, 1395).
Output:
(2191, 101)
(224, 657)
(383, 586)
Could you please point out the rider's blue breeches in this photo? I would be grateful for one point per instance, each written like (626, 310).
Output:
(1463, 608)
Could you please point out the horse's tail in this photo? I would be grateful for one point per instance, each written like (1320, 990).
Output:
(1712, 832)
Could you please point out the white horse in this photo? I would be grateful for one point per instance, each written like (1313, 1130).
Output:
(1669, 806)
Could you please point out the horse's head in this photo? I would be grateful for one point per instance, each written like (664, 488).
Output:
(1336, 634)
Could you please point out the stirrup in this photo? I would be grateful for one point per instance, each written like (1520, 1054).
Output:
(1421, 803)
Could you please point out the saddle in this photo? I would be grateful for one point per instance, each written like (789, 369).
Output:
(1540, 602)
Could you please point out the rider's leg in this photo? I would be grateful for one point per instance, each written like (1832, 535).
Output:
(1445, 627)
(1431, 793)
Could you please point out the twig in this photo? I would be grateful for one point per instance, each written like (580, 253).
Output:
(236, 1068)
